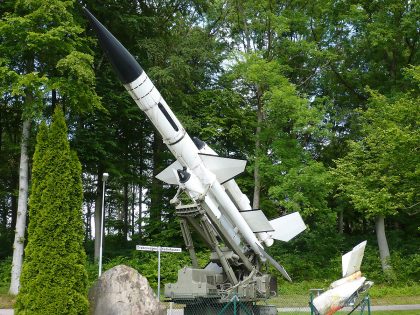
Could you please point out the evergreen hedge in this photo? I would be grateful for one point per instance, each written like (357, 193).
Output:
(54, 277)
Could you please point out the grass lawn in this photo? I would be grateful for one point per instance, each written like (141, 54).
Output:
(297, 295)
(415, 312)
(301, 300)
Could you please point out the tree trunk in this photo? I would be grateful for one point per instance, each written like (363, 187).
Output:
(88, 221)
(156, 187)
(257, 178)
(125, 214)
(382, 244)
(341, 222)
(140, 217)
(133, 208)
(98, 216)
(14, 201)
(18, 245)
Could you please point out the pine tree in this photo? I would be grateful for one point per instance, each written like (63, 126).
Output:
(54, 278)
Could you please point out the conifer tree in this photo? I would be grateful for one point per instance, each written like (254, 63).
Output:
(54, 278)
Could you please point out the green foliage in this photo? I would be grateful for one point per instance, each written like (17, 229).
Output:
(147, 264)
(380, 173)
(44, 51)
(400, 290)
(292, 180)
(305, 188)
(5, 271)
(77, 83)
(54, 279)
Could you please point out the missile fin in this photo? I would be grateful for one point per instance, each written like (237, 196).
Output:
(122, 61)
(257, 221)
(168, 176)
(287, 227)
(352, 260)
(224, 168)
(276, 264)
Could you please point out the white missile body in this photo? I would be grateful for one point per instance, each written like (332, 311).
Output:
(207, 177)
(186, 152)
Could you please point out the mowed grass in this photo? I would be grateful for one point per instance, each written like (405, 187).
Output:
(303, 300)
(297, 294)
(414, 312)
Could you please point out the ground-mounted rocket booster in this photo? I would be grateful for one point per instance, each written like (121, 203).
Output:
(194, 169)
(346, 290)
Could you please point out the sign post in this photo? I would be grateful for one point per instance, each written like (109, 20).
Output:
(158, 249)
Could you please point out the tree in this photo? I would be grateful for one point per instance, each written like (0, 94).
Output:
(50, 64)
(54, 278)
(9, 160)
(379, 174)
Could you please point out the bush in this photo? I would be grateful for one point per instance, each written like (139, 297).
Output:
(5, 272)
(54, 278)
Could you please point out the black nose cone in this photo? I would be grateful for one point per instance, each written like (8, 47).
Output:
(123, 62)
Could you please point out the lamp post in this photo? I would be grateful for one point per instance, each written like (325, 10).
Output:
(104, 179)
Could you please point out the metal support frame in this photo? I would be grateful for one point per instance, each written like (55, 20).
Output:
(199, 220)
(197, 216)
(241, 270)
(208, 230)
(186, 234)
(230, 242)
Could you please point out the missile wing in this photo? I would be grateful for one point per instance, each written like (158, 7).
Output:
(224, 168)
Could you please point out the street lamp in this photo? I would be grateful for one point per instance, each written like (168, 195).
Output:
(104, 178)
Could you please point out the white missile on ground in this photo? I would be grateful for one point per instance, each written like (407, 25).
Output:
(345, 289)
(206, 177)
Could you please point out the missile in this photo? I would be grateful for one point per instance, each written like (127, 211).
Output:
(202, 173)
(346, 289)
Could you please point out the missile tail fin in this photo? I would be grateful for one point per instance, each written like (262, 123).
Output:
(168, 176)
(287, 227)
(352, 260)
(276, 265)
(257, 221)
(224, 168)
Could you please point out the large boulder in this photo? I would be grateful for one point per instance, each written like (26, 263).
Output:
(123, 291)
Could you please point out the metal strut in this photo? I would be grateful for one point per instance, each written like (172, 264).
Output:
(197, 217)
(186, 233)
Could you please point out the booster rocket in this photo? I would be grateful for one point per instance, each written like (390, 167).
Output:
(347, 290)
(206, 177)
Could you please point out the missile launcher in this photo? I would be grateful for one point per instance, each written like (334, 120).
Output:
(217, 209)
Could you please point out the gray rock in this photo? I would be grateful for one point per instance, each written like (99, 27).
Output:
(123, 291)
